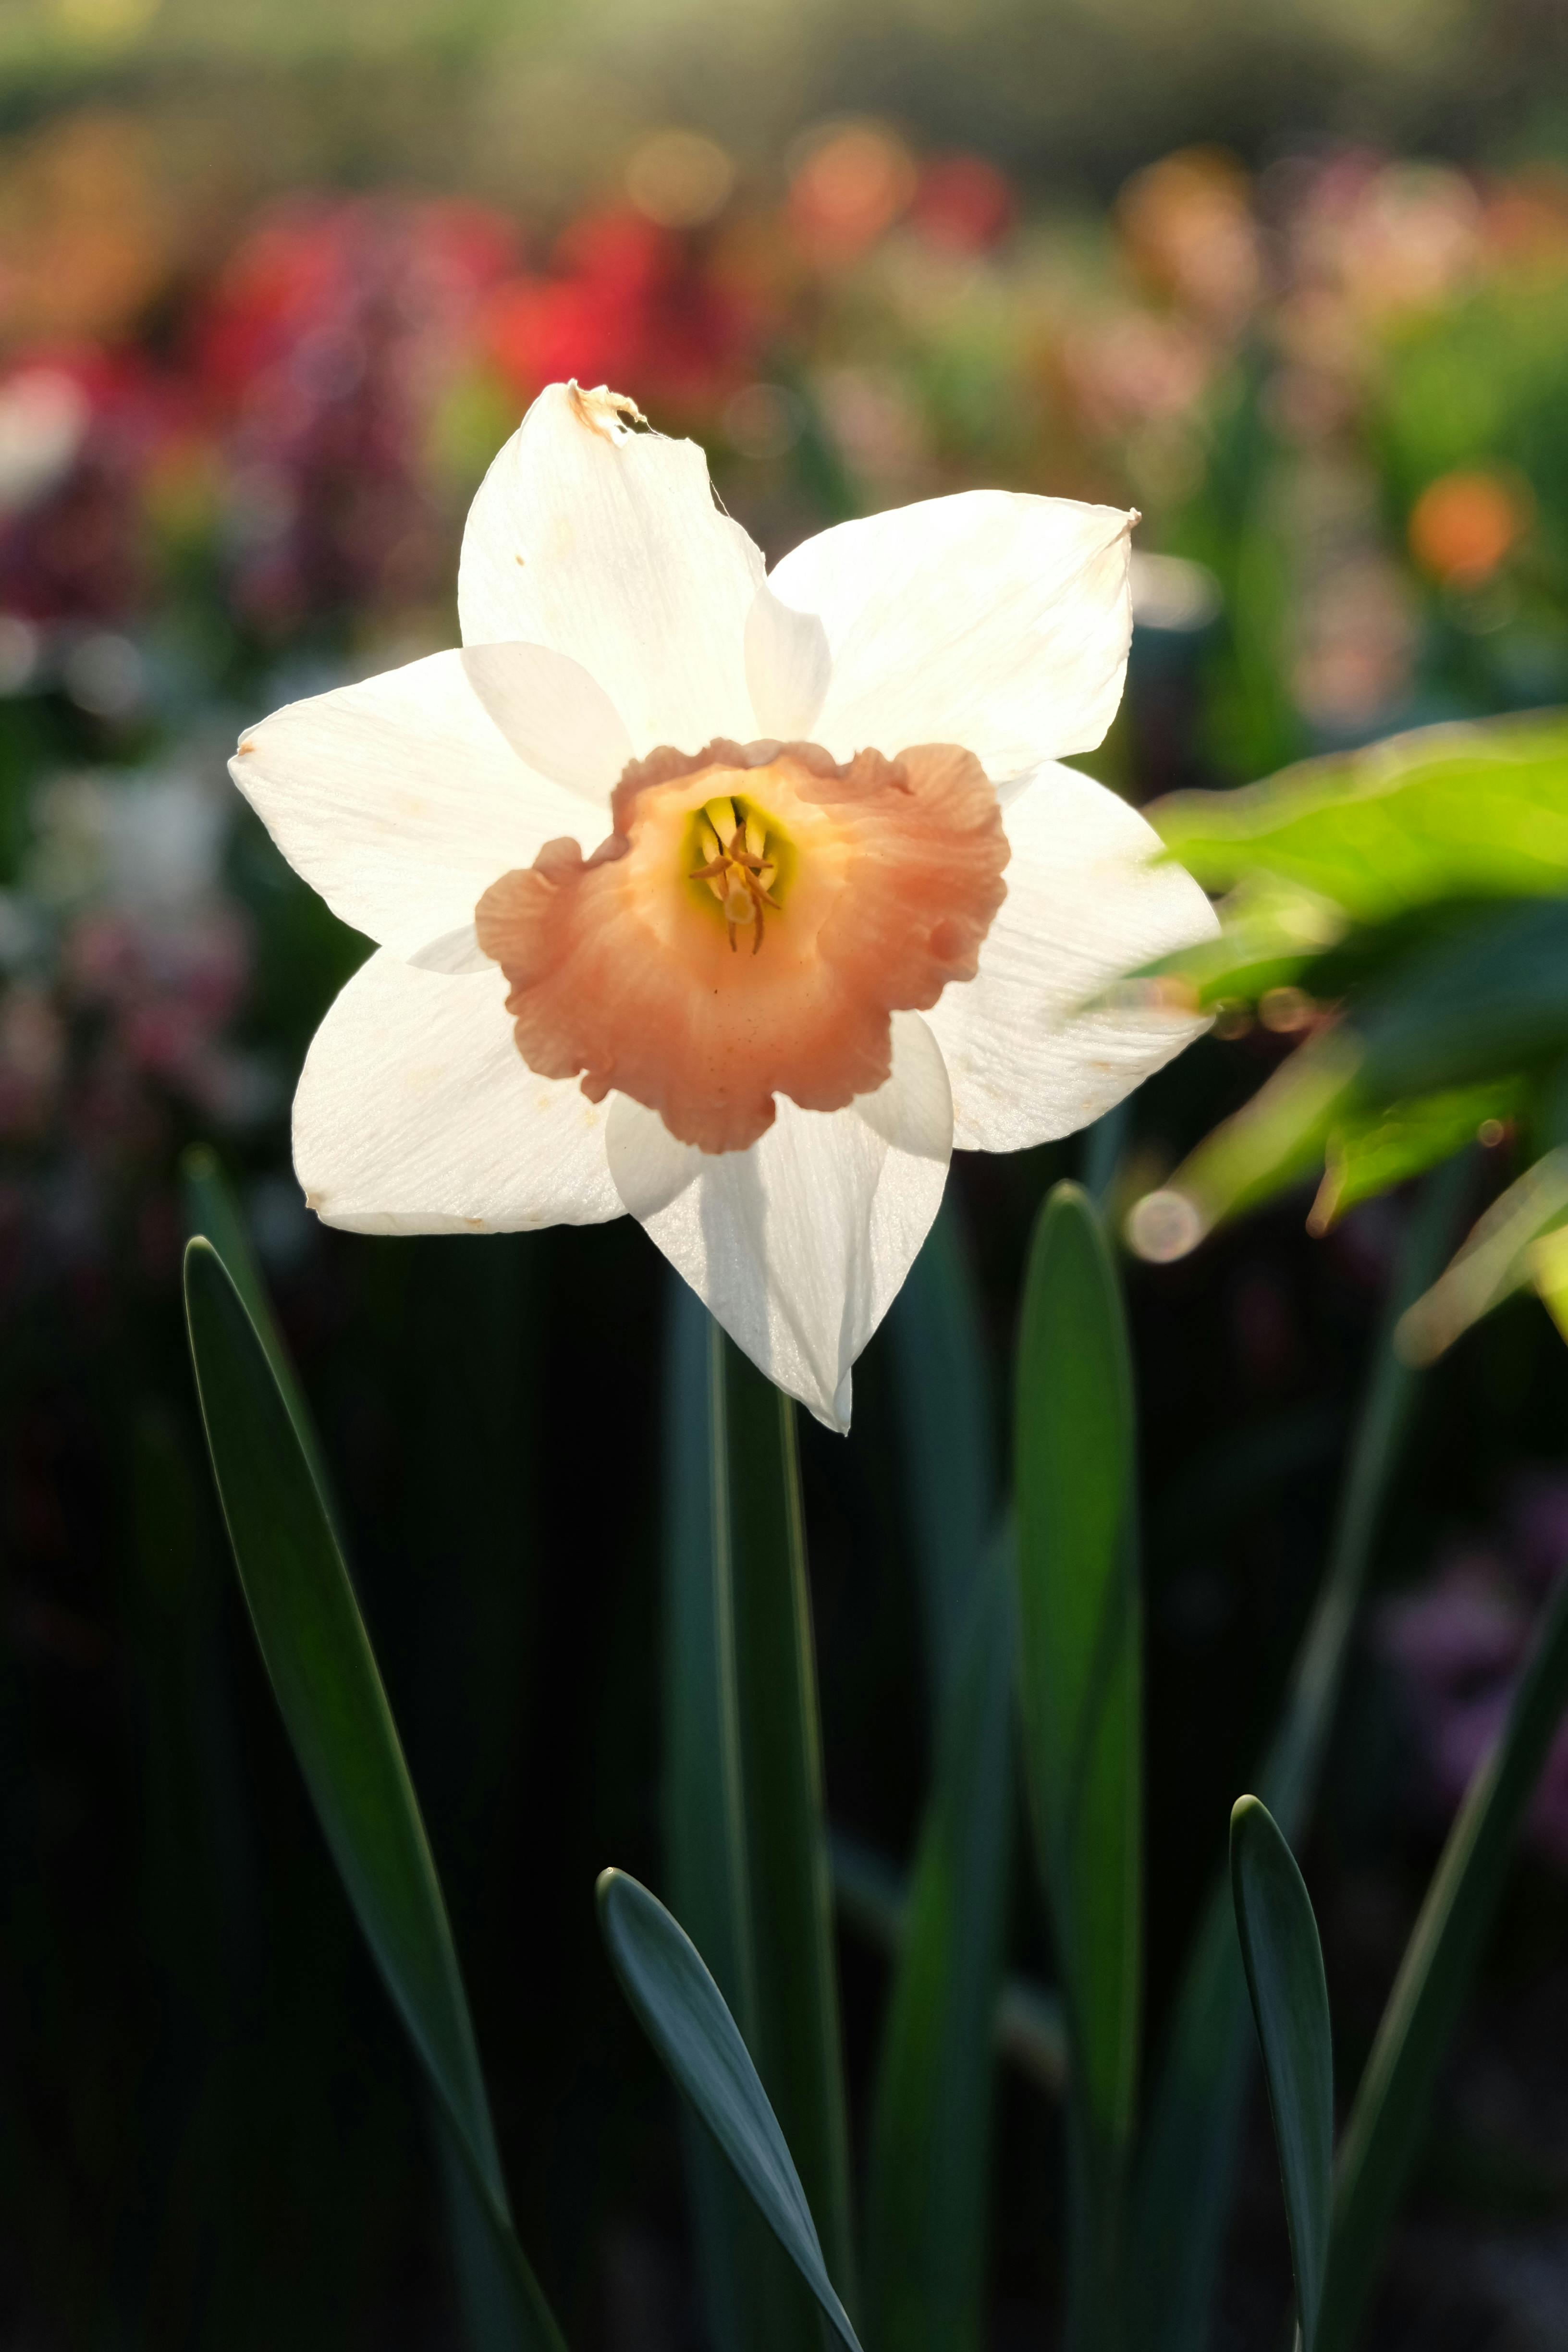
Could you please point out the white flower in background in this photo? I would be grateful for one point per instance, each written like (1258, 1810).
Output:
(786, 891)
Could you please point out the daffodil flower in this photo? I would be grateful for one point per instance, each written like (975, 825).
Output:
(734, 902)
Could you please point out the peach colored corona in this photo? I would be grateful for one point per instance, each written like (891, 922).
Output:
(731, 901)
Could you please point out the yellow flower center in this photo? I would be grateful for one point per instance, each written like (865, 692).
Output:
(741, 857)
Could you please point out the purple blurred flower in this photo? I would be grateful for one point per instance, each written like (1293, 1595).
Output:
(1460, 1643)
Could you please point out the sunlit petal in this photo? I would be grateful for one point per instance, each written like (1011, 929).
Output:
(799, 1246)
(415, 1115)
(989, 619)
(605, 544)
(400, 800)
(1084, 905)
(556, 717)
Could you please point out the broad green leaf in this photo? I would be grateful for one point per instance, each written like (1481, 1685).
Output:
(1384, 2134)
(744, 1816)
(1489, 998)
(929, 2176)
(1284, 1965)
(1477, 1009)
(682, 2012)
(947, 1449)
(873, 1900)
(1373, 1153)
(1271, 934)
(1549, 1273)
(1187, 2164)
(1447, 812)
(1273, 1141)
(1493, 1261)
(1490, 993)
(1080, 1684)
(318, 1656)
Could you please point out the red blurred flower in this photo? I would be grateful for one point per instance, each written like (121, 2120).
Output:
(963, 204)
(627, 302)
(331, 334)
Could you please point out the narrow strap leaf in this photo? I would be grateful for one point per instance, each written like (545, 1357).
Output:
(211, 1210)
(682, 2012)
(873, 1900)
(739, 2267)
(1081, 1677)
(1284, 1964)
(1383, 2137)
(797, 2038)
(1187, 2168)
(931, 2116)
(947, 1439)
(319, 1660)
(744, 1824)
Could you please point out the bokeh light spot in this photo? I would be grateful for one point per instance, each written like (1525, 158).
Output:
(680, 178)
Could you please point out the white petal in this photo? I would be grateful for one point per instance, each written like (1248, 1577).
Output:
(788, 665)
(1084, 905)
(458, 950)
(606, 545)
(989, 619)
(556, 717)
(415, 1114)
(799, 1246)
(400, 800)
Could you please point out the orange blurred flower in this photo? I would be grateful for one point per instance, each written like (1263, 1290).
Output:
(1188, 229)
(87, 235)
(1464, 524)
(849, 185)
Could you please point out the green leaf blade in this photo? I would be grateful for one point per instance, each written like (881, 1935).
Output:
(1187, 2164)
(948, 1451)
(211, 1210)
(1383, 2135)
(797, 2036)
(1443, 811)
(683, 2014)
(1284, 1963)
(744, 1828)
(334, 1708)
(1080, 1660)
(930, 2133)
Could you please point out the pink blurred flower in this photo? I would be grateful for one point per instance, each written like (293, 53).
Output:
(1134, 366)
(81, 433)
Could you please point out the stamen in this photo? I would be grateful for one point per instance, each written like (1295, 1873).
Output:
(756, 836)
